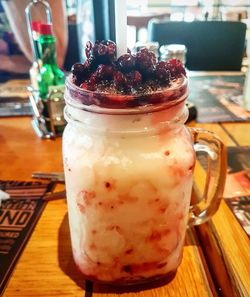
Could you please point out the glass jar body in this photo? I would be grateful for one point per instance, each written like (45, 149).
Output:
(128, 182)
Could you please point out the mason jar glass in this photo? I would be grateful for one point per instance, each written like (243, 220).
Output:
(129, 164)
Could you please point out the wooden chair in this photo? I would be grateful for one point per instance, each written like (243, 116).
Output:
(211, 45)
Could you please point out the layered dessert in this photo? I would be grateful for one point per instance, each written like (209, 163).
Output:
(128, 163)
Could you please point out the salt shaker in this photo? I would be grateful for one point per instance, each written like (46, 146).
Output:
(152, 46)
(176, 51)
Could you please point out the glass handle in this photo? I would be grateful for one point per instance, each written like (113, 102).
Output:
(208, 183)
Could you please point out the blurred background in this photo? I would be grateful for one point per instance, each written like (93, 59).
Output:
(90, 20)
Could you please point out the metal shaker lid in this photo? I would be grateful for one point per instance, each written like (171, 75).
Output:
(173, 49)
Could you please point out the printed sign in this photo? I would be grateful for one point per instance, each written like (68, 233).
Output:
(18, 216)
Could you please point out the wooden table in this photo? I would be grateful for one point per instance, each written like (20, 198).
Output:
(46, 267)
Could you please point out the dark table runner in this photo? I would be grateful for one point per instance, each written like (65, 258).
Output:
(237, 189)
(218, 98)
(18, 217)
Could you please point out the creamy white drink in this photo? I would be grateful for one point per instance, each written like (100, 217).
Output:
(128, 181)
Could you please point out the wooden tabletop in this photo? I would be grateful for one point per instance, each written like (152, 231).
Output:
(216, 255)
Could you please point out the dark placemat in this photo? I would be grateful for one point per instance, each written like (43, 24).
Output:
(18, 217)
(14, 100)
(218, 98)
(240, 206)
(237, 192)
(237, 189)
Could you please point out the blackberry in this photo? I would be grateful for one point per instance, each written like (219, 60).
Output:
(75, 80)
(77, 69)
(80, 72)
(126, 63)
(93, 63)
(162, 73)
(133, 79)
(111, 46)
(176, 68)
(145, 62)
(93, 80)
(104, 72)
(103, 52)
(119, 79)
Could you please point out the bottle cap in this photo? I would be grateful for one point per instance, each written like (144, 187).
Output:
(45, 29)
(35, 26)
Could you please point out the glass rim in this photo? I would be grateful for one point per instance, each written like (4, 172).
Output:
(93, 101)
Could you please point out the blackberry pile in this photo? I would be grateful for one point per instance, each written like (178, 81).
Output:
(129, 74)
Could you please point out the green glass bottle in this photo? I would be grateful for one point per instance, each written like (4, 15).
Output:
(50, 74)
